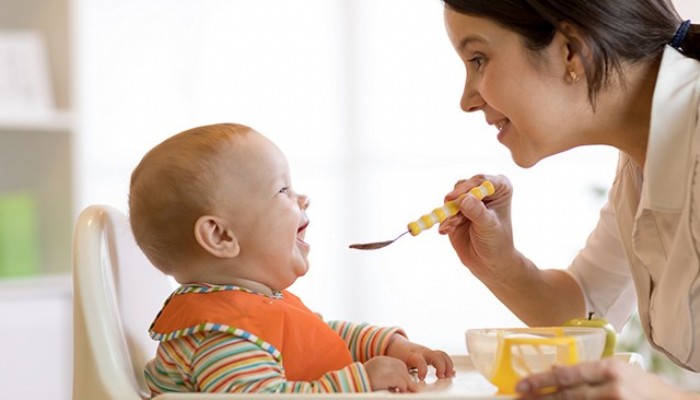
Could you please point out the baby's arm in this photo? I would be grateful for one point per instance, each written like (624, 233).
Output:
(366, 341)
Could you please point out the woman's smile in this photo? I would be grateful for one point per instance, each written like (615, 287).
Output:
(502, 126)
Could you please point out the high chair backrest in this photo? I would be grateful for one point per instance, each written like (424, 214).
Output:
(117, 293)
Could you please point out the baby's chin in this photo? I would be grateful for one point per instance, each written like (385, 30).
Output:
(305, 269)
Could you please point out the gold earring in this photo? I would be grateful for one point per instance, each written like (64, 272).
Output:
(574, 76)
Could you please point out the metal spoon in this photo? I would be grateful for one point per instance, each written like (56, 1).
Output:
(436, 216)
(375, 245)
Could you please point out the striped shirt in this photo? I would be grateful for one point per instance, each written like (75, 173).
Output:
(213, 361)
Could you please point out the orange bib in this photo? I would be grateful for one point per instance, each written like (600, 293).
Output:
(305, 344)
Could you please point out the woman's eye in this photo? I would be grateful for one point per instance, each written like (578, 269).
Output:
(478, 61)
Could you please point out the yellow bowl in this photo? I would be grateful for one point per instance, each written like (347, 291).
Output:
(506, 355)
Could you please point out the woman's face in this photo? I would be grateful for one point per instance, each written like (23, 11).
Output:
(530, 98)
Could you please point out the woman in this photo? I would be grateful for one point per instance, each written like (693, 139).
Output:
(553, 75)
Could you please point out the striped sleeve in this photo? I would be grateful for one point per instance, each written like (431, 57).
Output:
(223, 363)
(365, 341)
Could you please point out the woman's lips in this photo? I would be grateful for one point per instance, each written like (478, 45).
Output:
(502, 127)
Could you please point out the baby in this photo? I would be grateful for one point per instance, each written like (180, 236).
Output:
(214, 208)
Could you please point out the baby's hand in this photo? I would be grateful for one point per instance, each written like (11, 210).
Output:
(419, 357)
(390, 374)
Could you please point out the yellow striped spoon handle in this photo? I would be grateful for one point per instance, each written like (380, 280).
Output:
(448, 209)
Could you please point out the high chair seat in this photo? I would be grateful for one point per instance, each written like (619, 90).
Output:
(117, 293)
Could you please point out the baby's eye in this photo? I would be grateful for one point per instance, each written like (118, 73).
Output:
(284, 190)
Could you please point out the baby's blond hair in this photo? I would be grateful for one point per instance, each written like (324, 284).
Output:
(174, 184)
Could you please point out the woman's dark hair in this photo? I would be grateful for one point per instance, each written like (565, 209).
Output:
(614, 30)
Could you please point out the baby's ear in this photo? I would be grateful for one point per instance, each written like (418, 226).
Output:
(214, 238)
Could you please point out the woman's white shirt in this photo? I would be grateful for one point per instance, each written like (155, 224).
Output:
(645, 249)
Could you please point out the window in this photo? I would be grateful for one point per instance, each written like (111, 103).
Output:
(363, 97)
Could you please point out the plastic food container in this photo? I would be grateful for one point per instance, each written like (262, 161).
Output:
(506, 355)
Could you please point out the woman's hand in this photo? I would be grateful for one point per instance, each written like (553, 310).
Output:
(608, 378)
(419, 357)
(481, 233)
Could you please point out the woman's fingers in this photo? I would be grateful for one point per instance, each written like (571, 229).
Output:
(608, 378)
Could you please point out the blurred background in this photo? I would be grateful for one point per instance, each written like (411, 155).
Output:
(361, 95)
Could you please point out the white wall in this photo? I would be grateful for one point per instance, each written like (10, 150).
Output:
(688, 9)
(363, 97)
(36, 315)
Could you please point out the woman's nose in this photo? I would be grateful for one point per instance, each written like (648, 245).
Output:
(303, 201)
(471, 99)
